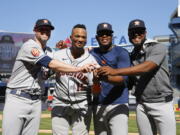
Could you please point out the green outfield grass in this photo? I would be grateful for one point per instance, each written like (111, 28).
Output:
(44, 134)
(46, 124)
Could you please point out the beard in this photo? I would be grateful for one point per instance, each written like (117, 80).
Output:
(78, 51)
(105, 48)
(43, 41)
(138, 45)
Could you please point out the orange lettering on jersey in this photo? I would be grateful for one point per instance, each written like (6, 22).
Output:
(35, 52)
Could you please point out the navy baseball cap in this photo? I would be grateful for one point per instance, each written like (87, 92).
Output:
(104, 27)
(137, 23)
(43, 22)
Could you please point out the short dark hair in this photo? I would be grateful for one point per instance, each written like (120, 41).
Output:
(80, 26)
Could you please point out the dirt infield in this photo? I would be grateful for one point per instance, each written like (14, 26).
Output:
(49, 115)
(90, 133)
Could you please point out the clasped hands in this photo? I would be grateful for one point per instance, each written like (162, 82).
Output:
(99, 71)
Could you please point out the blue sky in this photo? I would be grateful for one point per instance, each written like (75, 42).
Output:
(20, 15)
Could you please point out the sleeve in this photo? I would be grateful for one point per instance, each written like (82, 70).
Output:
(34, 55)
(157, 54)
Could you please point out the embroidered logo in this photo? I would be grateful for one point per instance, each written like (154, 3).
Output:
(45, 21)
(136, 23)
(105, 25)
(35, 52)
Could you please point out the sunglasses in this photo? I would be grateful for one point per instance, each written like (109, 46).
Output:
(135, 32)
(107, 33)
(44, 29)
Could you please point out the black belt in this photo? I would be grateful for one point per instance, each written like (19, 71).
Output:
(25, 95)
(166, 99)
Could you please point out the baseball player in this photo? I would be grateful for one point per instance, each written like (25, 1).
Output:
(72, 96)
(21, 114)
(111, 105)
(152, 88)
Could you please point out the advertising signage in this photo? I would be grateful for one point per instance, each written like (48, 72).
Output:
(116, 40)
(10, 43)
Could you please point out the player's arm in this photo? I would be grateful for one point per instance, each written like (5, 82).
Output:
(139, 69)
(61, 44)
(116, 80)
(63, 67)
(153, 61)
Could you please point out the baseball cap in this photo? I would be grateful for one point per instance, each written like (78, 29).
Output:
(104, 27)
(43, 22)
(137, 23)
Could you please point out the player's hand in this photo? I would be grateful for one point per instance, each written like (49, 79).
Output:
(45, 73)
(95, 76)
(106, 70)
(88, 67)
(61, 44)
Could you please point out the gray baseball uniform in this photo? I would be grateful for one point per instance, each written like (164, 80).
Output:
(22, 110)
(72, 96)
(154, 93)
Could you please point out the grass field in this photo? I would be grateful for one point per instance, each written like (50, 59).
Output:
(46, 124)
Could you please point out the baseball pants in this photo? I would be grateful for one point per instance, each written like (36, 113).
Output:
(153, 117)
(21, 116)
(67, 118)
(111, 119)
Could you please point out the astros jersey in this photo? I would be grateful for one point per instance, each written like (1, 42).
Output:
(117, 57)
(73, 89)
(26, 68)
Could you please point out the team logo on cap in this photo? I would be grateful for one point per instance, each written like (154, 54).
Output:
(105, 25)
(35, 52)
(136, 23)
(45, 21)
